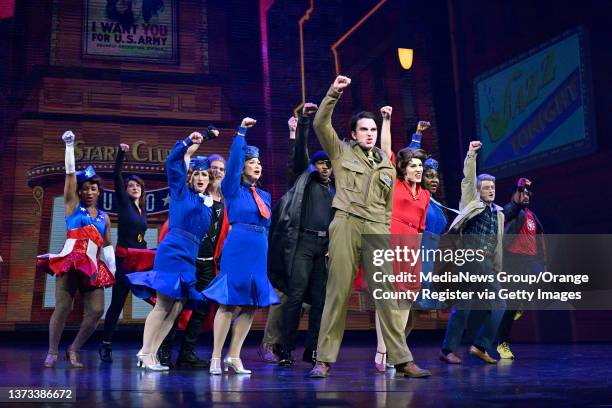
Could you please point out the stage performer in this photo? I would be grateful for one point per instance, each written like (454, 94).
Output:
(481, 225)
(299, 241)
(410, 203)
(242, 284)
(524, 251)
(207, 267)
(79, 265)
(131, 252)
(173, 279)
(364, 195)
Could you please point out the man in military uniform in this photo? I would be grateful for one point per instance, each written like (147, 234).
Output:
(363, 201)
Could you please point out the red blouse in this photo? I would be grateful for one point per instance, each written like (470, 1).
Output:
(408, 213)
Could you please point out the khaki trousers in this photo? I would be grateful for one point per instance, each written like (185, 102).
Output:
(345, 254)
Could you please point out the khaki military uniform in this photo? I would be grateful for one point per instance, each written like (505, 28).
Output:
(363, 201)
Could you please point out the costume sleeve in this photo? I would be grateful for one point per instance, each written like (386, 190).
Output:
(468, 184)
(323, 125)
(415, 141)
(231, 183)
(120, 193)
(300, 156)
(177, 171)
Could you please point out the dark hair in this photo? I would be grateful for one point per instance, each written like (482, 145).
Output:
(133, 177)
(403, 158)
(361, 115)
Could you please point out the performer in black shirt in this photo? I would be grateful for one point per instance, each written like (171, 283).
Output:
(131, 253)
(299, 239)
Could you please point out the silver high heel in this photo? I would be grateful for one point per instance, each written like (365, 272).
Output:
(235, 364)
(152, 367)
(215, 366)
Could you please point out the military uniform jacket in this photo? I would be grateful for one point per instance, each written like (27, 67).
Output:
(362, 189)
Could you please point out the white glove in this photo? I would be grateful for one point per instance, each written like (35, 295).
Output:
(109, 255)
(68, 138)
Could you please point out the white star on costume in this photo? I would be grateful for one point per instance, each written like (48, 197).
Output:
(166, 199)
(88, 173)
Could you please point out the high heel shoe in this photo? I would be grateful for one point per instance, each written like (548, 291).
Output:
(235, 364)
(153, 367)
(215, 366)
(380, 363)
(51, 360)
(74, 359)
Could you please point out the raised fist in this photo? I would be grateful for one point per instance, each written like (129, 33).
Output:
(309, 109)
(196, 138)
(248, 122)
(124, 147)
(292, 123)
(213, 132)
(475, 146)
(340, 83)
(385, 112)
(422, 126)
(68, 137)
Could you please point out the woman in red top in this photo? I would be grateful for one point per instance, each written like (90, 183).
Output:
(410, 204)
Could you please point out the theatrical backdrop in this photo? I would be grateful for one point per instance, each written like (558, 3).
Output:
(536, 95)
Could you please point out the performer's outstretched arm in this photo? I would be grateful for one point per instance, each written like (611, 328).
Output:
(71, 199)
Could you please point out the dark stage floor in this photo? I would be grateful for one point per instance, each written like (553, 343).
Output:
(543, 375)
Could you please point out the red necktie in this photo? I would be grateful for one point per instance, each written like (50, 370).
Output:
(263, 209)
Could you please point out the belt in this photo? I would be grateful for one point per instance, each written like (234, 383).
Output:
(205, 259)
(249, 227)
(321, 234)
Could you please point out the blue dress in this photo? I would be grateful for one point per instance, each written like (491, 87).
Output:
(243, 278)
(173, 271)
(435, 225)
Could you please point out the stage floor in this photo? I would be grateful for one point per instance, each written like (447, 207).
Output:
(542, 375)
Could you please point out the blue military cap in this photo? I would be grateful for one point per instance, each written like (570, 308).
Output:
(251, 152)
(431, 164)
(199, 163)
(84, 175)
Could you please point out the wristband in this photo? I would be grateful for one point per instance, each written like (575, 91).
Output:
(241, 130)
(187, 141)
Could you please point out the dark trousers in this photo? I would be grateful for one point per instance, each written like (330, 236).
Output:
(205, 273)
(121, 288)
(308, 277)
(488, 321)
(516, 264)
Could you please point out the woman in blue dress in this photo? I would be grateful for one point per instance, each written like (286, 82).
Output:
(172, 279)
(242, 284)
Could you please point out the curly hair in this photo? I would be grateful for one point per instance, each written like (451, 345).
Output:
(403, 159)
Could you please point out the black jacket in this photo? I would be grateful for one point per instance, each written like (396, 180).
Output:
(286, 214)
(514, 220)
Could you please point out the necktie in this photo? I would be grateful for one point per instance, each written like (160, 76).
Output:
(263, 209)
(371, 159)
